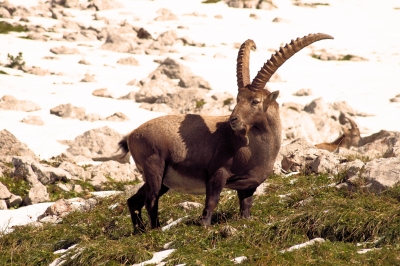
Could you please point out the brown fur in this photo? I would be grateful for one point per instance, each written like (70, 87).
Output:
(350, 138)
(203, 154)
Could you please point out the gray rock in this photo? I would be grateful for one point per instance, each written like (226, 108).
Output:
(23, 169)
(130, 61)
(153, 89)
(8, 102)
(116, 171)
(68, 111)
(14, 201)
(383, 144)
(33, 120)
(165, 14)
(303, 92)
(144, 34)
(64, 50)
(95, 142)
(11, 146)
(117, 117)
(70, 24)
(88, 78)
(301, 156)
(3, 205)
(4, 13)
(36, 36)
(35, 71)
(59, 208)
(297, 124)
(352, 169)
(187, 205)
(100, 5)
(117, 43)
(76, 171)
(103, 92)
(167, 38)
(50, 175)
(4, 192)
(382, 173)
(174, 70)
(38, 193)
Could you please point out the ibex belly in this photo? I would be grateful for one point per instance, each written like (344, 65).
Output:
(184, 183)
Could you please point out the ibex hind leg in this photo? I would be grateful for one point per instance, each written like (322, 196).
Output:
(135, 204)
(154, 172)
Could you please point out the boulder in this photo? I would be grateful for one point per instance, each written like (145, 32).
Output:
(76, 171)
(383, 143)
(144, 34)
(59, 208)
(187, 205)
(33, 120)
(382, 173)
(88, 78)
(303, 92)
(38, 193)
(296, 124)
(70, 24)
(23, 169)
(153, 89)
(4, 192)
(64, 50)
(4, 13)
(174, 70)
(103, 92)
(8, 102)
(117, 117)
(3, 205)
(167, 38)
(116, 171)
(117, 43)
(130, 61)
(352, 169)
(100, 5)
(49, 175)
(68, 111)
(165, 14)
(11, 146)
(14, 201)
(311, 161)
(95, 142)
(35, 71)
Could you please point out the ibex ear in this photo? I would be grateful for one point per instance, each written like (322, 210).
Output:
(272, 97)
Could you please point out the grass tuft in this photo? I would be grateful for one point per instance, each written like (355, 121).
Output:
(7, 27)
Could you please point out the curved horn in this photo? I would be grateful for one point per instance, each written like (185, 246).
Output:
(242, 66)
(280, 57)
(352, 123)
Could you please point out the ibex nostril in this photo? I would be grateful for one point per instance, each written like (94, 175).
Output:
(233, 119)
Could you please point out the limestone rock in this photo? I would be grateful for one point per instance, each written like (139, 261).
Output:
(131, 61)
(14, 201)
(33, 120)
(95, 142)
(11, 146)
(116, 171)
(23, 169)
(68, 111)
(103, 92)
(382, 173)
(4, 192)
(38, 193)
(76, 171)
(64, 50)
(50, 175)
(8, 102)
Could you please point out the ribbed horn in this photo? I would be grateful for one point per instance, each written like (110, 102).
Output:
(280, 57)
(242, 66)
(352, 123)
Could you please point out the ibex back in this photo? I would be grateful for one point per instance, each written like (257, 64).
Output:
(203, 154)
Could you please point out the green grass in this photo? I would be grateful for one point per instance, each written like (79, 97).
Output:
(3, 72)
(342, 218)
(7, 27)
(210, 1)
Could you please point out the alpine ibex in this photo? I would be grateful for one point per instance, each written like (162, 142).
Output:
(350, 137)
(203, 154)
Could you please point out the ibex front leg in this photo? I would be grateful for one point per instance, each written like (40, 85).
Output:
(214, 187)
(246, 201)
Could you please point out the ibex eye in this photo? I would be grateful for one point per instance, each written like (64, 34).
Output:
(255, 102)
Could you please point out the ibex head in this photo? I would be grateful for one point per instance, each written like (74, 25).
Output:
(352, 135)
(252, 99)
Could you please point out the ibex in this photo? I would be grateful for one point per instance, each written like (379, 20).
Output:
(350, 137)
(203, 154)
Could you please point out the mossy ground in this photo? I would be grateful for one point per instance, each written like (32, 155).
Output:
(310, 208)
(7, 27)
